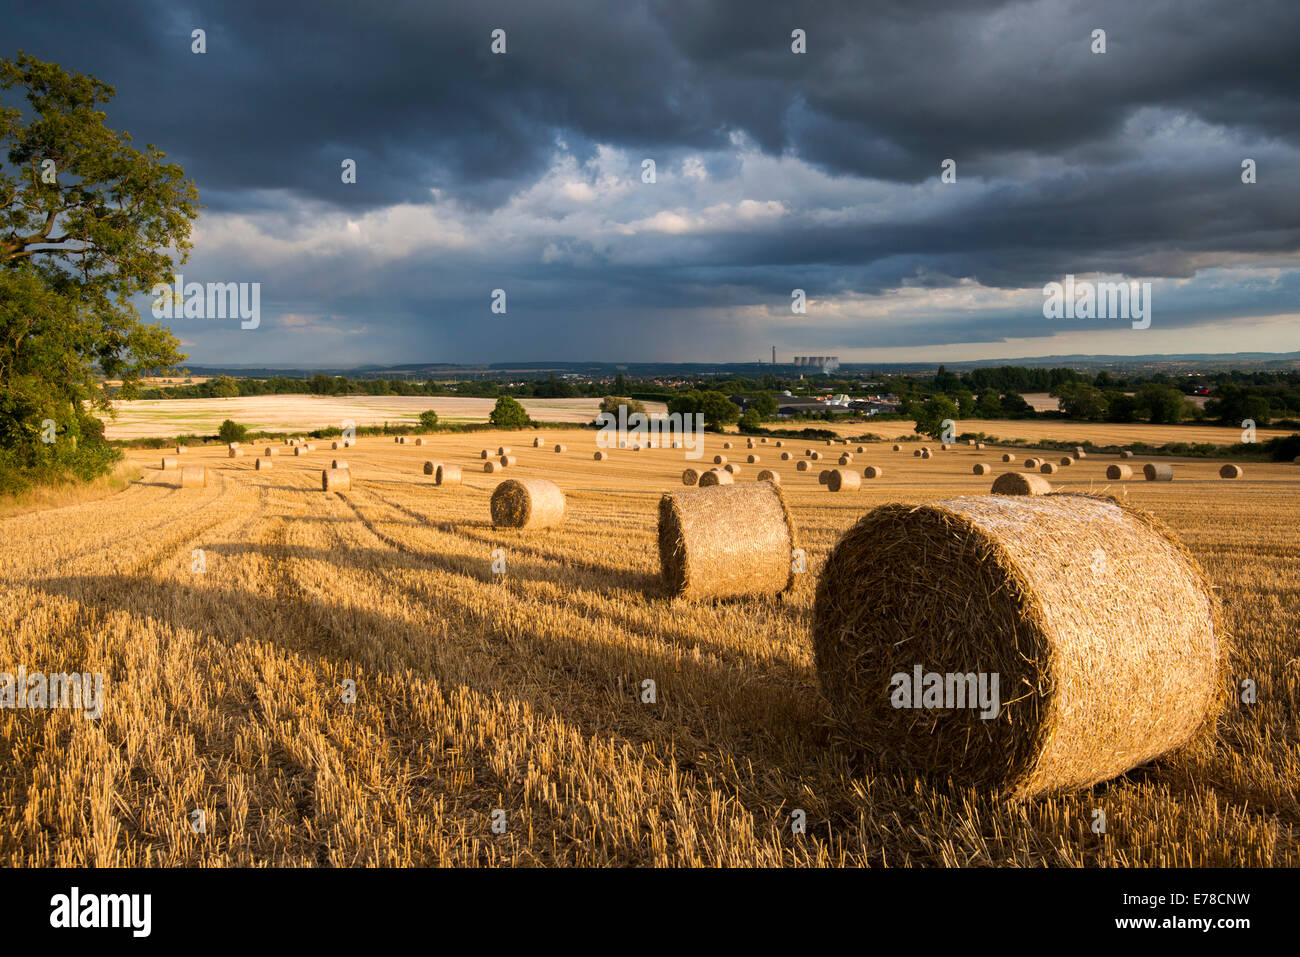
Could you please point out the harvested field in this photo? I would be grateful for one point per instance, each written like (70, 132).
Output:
(522, 689)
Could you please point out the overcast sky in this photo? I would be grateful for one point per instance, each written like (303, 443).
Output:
(775, 170)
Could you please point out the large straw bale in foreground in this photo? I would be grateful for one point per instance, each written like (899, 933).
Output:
(194, 476)
(1101, 629)
(332, 480)
(527, 503)
(727, 541)
(1020, 483)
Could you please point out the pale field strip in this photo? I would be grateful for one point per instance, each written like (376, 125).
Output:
(475, 692)
(144, 418)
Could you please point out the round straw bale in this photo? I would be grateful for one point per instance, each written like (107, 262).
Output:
(830, 441)
(979, 446)
(780, 443)
(1033, 463)
(823, 476)
(726, 542)
(732, 467)
(861, 449)
(235, 453)
(332, 480)
(561, 448)
(1020, 483)
(1101, 628)
(1079, 452)
(170, 462)
(1158, 473)
(527, 503)
(767, 475)
(690, 477)
(716, 477)
(310, 447)
(785, 456)
(430, 467)
(1067, 460)
(1048, 468)
(194, 476)
(1008, 457)
(503, 450)
(898, 448)
(970, 441)
(335, 446)
(485, 454)
(261, 464)
(846, 458)
(980, 468)
(751, 459)
(843, 480)
(916, 453)
(300, 450)
(726, 445)
(599, 457)
(447, 475)
(872, 471)
(1126, 454)
(720, 459)
(927, 454)
(180, 450)
(1117, 472)
(397, 440)
(749, 443)
(1230, 471)
(945, 446)
(492, 465)
(272, 450)
(537, 442)
(419, 441)
(508, 460)
(816, 456)
(801, 465)
(338, 464)
(808, 452)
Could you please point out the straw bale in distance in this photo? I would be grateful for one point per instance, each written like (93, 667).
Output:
(916, 453)
(752, 459)
(861, 449)
(561, 448)
(1067, 460)
(194, 476)
(1021, 483)
(599, 457)
(235, 453)
(927, 454)
(508, 460)
(1158, 473)
(1126, 454)
(816, 456)
(726, 542)
(527, 503)
(845, 459)
(1230, 471)
(979, 468)
(731, 467)
(872, 472)
(419, 441)
(170, 462)
(690, 477)
(430, 467)
(261, 464)
(1117, 472)
(720, 459)
(898, 448)
(1048, 468)
(537, 442)
(492, 465)
(333, 480)
(335, 446)
(1103, 665)
(801, 465)
(823, 476)
(780, 443)
(485, 454)
(726, 445)
(1033, 463)
(271, 450)
(338, 464)
(447, 475)
(843, 480)
(767, 475)
(1008, 457)
(503, 450)
(716, 477)
(785, 456)
(180, 450)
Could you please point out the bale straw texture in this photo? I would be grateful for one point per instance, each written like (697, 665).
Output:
(1158, 473)
(447, 475)
(1020, 483)
(980, 468)
(690, 477)
(872, 472)
(1101, 627)
(843, 480)
(332, 480)
(1117, 472)
(726, 542)
(527, 503)
(1230, 471)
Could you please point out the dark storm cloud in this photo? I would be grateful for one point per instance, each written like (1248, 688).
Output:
(1060, 168)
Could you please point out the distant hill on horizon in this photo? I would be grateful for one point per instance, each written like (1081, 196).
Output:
(1192, 362)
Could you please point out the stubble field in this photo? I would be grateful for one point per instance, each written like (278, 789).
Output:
(227, 674)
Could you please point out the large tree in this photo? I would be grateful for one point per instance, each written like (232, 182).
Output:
(86, 222)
